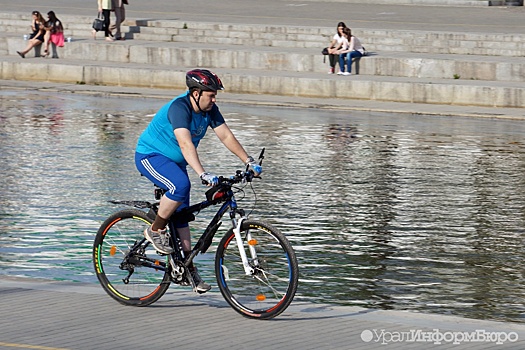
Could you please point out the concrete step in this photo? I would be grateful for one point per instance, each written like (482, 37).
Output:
(271, 82)
(391, 40)
(480, 3)
(400, 64)
(75, 28)
(494, 44)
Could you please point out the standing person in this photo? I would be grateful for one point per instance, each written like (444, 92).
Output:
(120, 16)
(169, 144)
(54, 33)
(37, 36)
(354, 50)
(335, 45)
(105, 7)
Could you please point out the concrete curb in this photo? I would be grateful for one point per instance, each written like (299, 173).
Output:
(277, 101)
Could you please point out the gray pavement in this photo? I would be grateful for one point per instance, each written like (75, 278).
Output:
(51, 315)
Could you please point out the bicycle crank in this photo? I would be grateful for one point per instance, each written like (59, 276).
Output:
(177, 270)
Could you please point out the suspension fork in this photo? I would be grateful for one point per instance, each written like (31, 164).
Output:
(237, 224)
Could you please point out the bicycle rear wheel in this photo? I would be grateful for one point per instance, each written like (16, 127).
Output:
(271, 287)
(127, 266)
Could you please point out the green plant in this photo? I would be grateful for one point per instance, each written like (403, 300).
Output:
(185, 26)
(456, 76)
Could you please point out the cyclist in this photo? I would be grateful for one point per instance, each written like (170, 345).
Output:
(169, 144)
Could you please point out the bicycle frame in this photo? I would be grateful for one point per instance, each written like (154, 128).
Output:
(204, 241)
(237, 216)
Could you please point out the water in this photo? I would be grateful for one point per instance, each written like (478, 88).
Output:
(384, 211)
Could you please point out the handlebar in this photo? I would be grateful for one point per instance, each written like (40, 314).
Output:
(225, 184)
(240, 176)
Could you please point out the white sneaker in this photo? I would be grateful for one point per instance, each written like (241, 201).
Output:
(340, 73)
(159, 239)
(200, 285)
(347, 73)
(330, 71)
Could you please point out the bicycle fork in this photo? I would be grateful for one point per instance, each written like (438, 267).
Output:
(248, 268)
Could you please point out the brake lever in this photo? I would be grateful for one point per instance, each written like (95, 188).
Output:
(261, 156)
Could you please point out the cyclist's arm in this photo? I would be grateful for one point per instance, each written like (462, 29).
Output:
(229, 140)
(188, 149)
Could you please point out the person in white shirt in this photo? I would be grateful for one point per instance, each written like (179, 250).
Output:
(335, 45)
(351, 48)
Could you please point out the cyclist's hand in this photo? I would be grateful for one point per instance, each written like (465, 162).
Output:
(209, 179)
(253, 166)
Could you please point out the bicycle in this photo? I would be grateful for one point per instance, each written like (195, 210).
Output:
(255, 266)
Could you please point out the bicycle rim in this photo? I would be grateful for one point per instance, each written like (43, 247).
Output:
(113, 262)
(270, 289)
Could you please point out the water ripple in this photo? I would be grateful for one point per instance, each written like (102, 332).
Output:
(394, 212)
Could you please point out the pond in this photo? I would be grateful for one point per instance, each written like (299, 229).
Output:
(384, 210)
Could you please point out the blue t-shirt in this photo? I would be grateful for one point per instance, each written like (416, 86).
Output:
(178, 113)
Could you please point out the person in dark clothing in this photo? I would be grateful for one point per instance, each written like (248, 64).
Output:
(335, 45)
(37, 36)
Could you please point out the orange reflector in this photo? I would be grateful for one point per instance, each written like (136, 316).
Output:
(252, 242)
(113, 250)
(260, 297)
(157, 262)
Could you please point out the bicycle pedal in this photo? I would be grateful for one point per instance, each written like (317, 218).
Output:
(184, 283)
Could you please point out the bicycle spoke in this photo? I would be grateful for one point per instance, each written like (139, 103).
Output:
(126, 270)
(270, 288)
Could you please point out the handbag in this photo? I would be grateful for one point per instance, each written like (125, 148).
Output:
(325, 53)
(98, 23)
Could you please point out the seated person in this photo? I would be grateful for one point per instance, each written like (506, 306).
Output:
(352, 48)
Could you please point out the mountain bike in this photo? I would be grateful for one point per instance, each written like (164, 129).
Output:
(255, 266)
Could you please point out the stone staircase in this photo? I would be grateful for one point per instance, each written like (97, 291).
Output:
(431, 2)
(404, 66)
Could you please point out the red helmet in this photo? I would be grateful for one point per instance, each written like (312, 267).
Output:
(203, 79)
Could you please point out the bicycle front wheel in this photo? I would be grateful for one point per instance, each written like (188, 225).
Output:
(127, 266)
(270, 285)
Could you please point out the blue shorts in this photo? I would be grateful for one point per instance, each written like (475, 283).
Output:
(166, 174)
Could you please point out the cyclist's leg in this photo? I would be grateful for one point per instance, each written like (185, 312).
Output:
(170, 176)
(166, 208)
(185, 237)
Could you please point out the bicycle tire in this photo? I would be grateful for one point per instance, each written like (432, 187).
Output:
(271, 288)
(115, 238)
